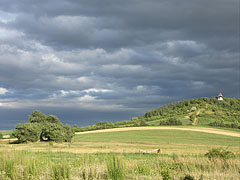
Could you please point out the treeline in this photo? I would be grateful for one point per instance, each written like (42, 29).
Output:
(41, 127)
(221, 123)
(133, 123)
(109, 125)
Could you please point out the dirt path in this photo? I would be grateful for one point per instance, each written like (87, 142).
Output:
(195, 122)
(196, 129)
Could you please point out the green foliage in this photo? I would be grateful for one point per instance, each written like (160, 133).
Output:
(171, 121)
(219, 153)
(42, 127)
(1, 135)
(168, 170)
(165, 175)
(209, 110)
(53, 119)
(69, 133)
(28, 132)
(53, 132)
(115, 168)
(37, 117)
(221, 123)
(143, 123)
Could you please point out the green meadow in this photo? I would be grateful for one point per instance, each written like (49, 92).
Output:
(161, 137)
(123, 155)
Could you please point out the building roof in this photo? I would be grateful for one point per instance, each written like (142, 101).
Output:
(220, 95)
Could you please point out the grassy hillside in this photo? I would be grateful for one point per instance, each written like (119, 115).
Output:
(201, 111)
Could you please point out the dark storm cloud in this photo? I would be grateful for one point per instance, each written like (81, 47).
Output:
(126, 23)
(110, 60)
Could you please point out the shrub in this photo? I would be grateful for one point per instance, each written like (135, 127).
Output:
(143, 123)
(171, 121)
(165, 175)
(220, 123)
(1, 135)
(219, 153)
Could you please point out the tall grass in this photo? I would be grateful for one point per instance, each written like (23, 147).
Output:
(115, 168)
(61, 171)
(24, 165)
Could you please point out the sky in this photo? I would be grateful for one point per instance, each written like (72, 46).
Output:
(88, 61)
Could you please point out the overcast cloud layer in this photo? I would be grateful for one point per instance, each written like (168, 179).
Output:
(89, 61)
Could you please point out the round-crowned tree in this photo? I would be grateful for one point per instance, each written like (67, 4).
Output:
(44, 128)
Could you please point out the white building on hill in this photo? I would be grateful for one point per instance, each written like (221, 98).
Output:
(220, 97)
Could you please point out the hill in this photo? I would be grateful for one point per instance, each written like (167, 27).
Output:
(201, 111)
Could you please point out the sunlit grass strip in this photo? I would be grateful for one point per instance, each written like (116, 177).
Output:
(24, 165)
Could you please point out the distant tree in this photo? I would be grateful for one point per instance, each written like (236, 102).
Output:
(75, 128)
(1, 135)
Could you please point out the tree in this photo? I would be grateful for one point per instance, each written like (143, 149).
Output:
(28, 132)
(44, 128)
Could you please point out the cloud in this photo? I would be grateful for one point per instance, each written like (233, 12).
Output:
(90, 59)
(3, 90)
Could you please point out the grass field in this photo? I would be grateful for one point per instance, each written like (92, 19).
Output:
(24, 165)
(160, 137)
(118, 155)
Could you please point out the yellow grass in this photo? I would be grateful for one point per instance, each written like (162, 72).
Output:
(196, 129)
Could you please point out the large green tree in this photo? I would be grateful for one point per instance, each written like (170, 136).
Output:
(44, 128)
